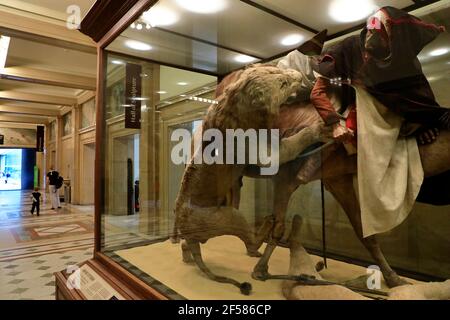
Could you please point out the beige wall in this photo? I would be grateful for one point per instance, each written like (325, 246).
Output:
(73, 154)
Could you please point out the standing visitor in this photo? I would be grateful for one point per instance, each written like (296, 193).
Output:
(52, 178)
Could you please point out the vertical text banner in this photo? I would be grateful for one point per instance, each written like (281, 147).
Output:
(133, 91)
(40, 138)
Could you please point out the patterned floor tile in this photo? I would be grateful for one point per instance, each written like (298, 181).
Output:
(43, 245)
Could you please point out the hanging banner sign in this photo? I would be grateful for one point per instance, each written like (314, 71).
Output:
(133, 98)
(40, 138)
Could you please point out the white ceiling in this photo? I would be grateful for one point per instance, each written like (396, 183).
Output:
(210, 42)
(54, 9)
(27, 52)
(318, 13)
(35, 55)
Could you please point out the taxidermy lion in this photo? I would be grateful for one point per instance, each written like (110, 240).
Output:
(201, 210)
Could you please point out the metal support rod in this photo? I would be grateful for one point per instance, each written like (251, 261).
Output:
(324, 242)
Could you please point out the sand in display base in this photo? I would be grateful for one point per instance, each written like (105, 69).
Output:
(225, 256)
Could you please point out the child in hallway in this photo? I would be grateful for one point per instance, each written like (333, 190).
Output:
(36, 197)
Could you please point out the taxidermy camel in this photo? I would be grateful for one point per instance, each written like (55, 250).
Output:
(336, 169)
(208, 201)
(201, 211)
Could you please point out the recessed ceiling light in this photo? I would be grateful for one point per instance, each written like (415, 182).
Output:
(118, 62)
(137, 45)
(139, 26)
(292, 39)
(349, 11)
(160, 16)
(242, 58)
(439, 52)
(182, 83)
(133, 25)
(4, 47)
(161, 92)
(203, 6)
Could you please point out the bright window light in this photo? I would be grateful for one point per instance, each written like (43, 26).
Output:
(439, 52)
(242, 58)
(137, 45)
(160, 16)
(292, 39)
(203, 6)
(4, 46)
(351, 10)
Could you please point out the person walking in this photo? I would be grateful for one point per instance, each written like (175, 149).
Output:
(53, 177)
(36, 197)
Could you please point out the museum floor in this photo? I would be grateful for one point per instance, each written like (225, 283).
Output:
(33, 248)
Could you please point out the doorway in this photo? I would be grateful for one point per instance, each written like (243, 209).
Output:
(17, 169)
(124, 174)
(87, 174)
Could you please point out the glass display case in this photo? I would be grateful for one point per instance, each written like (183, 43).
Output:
(160, 69)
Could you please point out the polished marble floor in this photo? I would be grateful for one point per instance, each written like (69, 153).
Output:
(32, 248)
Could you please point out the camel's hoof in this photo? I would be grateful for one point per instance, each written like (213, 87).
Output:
(246, 288)
(188, 259)
(255, 254)
(320, 266)
(394, 280)
(260, 275)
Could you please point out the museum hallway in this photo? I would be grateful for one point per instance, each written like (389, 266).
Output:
(33, 248)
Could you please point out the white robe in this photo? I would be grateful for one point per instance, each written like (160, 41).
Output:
(390, 171)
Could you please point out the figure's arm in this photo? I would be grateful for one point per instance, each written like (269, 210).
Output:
(322, 102)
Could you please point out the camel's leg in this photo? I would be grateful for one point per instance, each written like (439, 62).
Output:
(283, 190)
(436, 156)
(342, 190)
(187, 254)
(194, 247)
(203, 225)
(261, 235)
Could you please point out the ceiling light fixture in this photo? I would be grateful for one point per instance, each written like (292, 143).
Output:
(439, 52)
(4, 47)
(182, 83)
(242, 58)
(203, 6)
(292, 39)
(159, 16)
(137, 45)
(117, 62)
(161, 92)
(133, 25)
(139, 26)
(349, 11)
